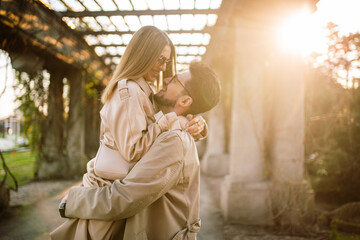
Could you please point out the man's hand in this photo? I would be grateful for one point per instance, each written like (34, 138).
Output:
(64, 199)
(183, 121)
(62, 206)
(195, 125)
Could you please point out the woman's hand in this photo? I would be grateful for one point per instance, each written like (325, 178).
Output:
(195, 125)
(183, 122)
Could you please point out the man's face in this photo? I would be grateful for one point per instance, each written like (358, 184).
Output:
(173, 89)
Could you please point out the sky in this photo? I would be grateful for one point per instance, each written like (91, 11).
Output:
(7, 104)
(342, 12)
(304, 31)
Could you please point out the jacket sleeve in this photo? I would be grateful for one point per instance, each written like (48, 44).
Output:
(155, 174)
(127, 121)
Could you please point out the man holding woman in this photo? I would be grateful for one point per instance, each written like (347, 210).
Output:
(131, 122)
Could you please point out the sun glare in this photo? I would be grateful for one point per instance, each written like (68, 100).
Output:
(301, 33)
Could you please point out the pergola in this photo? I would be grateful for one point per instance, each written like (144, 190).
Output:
(107, 26)
(97, 32)
(256, 132)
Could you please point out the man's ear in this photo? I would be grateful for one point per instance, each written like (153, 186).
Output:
(185, 101)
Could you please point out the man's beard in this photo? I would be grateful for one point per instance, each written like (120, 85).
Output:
(162, 101)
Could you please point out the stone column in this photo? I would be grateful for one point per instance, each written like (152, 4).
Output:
(75, 144)
(286, 138)
(245, 194)
(215, 162)
(287, 117)
(51, 162)
(265, 184)
(92, 121)
(220, 56)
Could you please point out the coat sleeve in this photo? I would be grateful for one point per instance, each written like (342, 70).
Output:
(155, 174)
(127, 122)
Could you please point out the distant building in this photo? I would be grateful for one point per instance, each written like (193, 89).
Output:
(10, 126)
(10, 130)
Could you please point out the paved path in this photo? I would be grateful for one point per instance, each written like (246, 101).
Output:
(33, 211)
(213, 225)
(34, 214)
(210, 214)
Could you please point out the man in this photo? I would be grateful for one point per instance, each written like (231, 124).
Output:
(159, 198)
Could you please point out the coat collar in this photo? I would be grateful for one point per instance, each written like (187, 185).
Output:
(144, 86)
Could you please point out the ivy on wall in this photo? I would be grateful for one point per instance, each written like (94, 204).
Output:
(31, 94)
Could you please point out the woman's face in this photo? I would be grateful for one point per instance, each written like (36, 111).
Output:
(160, 65)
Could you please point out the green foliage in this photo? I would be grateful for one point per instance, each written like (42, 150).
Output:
(333, 114)
(32, 96)
(334, 235)
(21, 164)
(342, 58)
(92, 87)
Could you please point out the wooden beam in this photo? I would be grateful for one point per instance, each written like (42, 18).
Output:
(42, 31)
(95, 33)
(135, 13)
(125, 45)
(113, 65)
(119, 55)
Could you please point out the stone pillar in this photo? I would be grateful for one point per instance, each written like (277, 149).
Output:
(245, 194)
(51, 164)
(287, 117)
(286, 138)
(265, 184)
(220, 56)
(92, 121)
(215, 162)
(75, 144)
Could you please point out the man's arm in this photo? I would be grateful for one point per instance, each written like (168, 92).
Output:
(154, 175)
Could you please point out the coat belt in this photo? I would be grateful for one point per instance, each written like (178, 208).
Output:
(190, 228)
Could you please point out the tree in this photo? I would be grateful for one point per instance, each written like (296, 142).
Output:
(333, 129)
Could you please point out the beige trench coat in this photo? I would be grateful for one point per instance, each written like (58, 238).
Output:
(129, 122)
(130, 125)
(159, 198)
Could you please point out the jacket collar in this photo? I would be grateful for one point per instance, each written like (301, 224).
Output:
(144, 86)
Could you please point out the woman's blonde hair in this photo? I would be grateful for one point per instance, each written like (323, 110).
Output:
(140, 56)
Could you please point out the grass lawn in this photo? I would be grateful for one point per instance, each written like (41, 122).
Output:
(21, 165)
(343, 236)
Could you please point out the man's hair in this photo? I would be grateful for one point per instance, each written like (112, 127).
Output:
(204, 88)
(140, 56)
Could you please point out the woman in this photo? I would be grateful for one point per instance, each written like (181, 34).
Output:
(130, 121)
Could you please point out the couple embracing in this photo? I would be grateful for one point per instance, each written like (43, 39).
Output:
(144, 182)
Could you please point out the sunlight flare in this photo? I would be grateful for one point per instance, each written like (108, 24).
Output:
(301, 33)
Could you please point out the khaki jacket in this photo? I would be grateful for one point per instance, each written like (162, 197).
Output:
(159, 198)
(129, 122)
